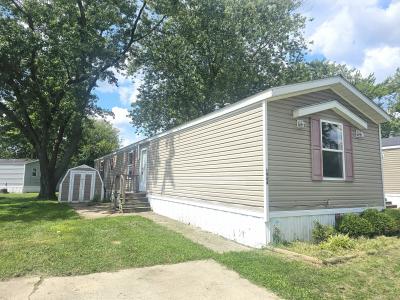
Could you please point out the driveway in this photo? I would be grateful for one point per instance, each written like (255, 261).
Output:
(204, 279)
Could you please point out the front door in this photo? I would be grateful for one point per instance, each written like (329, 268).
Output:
(143, 170)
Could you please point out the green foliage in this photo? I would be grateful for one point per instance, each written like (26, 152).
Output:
(98, 138)
(338, 242)
(392, 102)
(213, 53)
(52, 54)
(355, 226)
(321, 233)
(382, 223)
(395, 214)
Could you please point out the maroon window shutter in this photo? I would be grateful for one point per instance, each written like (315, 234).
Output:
(316, 153)
(348, 152)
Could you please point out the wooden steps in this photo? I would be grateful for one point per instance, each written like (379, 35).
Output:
(136, 202)
(389, 204)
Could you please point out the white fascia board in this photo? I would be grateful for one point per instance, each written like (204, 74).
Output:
(356, 92)
(321, 84)
(391, 147)
(336, 107)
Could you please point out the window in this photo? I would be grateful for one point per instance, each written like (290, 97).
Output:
(130, 157)
(332, 150)
(34, 174)
(102, 166)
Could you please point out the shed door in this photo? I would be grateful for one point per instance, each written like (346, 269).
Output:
(82, 186)
(143, 170)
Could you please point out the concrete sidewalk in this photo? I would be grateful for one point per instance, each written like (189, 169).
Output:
(207, 239)
(191, 280)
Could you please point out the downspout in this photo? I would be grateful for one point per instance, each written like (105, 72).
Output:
(381, 155)
(268, 237)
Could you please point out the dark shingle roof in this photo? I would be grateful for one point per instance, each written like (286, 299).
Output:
(391, 141)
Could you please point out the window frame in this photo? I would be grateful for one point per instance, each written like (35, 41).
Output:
(34, 174)
(333, 150)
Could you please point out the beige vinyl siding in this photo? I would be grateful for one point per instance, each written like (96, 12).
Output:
(289, 157)
(391, 171)
(219, 161)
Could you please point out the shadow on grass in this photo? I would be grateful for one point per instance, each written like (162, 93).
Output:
(30, 209)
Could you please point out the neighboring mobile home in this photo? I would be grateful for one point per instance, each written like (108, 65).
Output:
(19, 175)
(391, 169)
(264, 168)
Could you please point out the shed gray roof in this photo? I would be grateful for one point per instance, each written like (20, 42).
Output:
(391, 141)
(16, 162)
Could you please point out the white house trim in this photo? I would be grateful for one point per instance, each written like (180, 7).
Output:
(315, 212)
(390, 147)
(336, 107)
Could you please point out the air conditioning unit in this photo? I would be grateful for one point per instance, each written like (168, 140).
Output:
(301, 124)
(359, 134)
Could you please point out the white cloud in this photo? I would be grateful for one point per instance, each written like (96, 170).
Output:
(127, 88)
(120, 116)
(354, 32)
(121, 121)
(381, 61)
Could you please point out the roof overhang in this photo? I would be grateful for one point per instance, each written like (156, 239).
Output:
(334, 105)
(341, 87)
(337, 84)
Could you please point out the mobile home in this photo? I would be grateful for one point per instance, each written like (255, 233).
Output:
(265, 167)
(19, 175)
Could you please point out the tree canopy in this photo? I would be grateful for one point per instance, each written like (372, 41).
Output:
(52, 53)
(99, 138)
(211, 53)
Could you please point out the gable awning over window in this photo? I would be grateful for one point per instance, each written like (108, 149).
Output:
(338, 108)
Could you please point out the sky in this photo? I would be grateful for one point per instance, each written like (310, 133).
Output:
(360, 33)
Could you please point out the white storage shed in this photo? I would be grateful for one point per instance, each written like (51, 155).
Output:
(81, 184)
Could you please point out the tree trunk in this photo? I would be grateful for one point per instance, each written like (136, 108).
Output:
(48, 180)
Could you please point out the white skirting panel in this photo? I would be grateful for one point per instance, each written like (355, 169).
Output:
(394, 198)
(31, 189)
(298, 224)
(297, 228)
(243, 226)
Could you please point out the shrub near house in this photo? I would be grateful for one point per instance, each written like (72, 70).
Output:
(368, 224)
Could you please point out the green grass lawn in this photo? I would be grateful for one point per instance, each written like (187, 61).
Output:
(369, 276)
(49, 238)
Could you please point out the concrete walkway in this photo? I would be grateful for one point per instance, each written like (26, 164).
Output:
(195, 234)
(207, 239)
(191, 280)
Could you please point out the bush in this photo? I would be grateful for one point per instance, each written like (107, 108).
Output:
(338, 242)
(355, 226)
(382, 223)
(320, 233)
(395, 214)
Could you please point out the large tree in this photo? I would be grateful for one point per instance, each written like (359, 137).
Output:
(52, 53)
(391, 102)
(99, 138)
(211, 53)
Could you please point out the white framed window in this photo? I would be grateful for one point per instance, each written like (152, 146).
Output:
(34, 172)
(332, 150)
